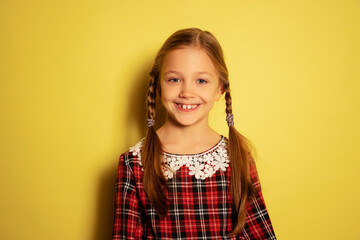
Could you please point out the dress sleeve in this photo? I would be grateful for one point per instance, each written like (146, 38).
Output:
(258, 225)
(127, 222)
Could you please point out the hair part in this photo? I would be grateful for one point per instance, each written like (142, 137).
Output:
(155, 184)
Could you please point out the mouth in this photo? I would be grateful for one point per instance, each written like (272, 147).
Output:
(187, 107)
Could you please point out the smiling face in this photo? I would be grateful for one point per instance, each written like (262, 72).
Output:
(189, 85)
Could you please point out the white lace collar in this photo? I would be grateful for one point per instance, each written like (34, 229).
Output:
(202, 165)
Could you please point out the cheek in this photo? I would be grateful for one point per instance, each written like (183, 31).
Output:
(165, 96)
(162, 92)
(214, 95)
(169, 92)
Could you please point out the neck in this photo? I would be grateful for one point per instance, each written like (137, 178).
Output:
(196, 137)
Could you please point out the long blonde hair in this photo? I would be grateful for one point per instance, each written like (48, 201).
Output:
(155, 184)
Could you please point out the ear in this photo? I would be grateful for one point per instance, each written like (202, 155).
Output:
(219, 92)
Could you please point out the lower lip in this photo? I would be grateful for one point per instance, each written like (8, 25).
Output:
(187, 110)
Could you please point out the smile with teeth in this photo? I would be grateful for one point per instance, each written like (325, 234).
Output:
(187, 106)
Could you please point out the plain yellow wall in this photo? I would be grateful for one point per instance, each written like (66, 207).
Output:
(73, 79)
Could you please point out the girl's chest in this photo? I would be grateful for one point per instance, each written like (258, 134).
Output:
(196, 206)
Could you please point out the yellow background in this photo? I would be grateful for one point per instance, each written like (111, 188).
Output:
(73, 79)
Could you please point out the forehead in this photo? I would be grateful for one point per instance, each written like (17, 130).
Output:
(188, 59)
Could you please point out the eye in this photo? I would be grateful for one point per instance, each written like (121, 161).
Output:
(202, 81)
(174, 80)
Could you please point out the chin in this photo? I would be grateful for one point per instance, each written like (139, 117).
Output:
(186, 122)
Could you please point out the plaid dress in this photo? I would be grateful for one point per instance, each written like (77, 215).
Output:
(199, 195)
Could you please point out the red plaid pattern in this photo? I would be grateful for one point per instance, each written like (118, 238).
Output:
(199, 209)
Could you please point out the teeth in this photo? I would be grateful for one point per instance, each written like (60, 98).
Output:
(188, 106)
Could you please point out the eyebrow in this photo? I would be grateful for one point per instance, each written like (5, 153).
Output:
(176, 72)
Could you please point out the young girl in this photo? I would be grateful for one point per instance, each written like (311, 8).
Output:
(184, 180)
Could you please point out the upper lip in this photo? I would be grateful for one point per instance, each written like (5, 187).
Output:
(187, 103)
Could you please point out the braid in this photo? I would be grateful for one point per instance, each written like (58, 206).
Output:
(151, 99)
(241, 186)
(154, 181)
(227, 97)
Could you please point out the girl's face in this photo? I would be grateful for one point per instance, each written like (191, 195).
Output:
(189, 85)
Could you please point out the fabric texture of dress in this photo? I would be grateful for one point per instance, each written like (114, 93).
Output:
(199, 195)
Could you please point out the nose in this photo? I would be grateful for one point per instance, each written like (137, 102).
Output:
(186, 90)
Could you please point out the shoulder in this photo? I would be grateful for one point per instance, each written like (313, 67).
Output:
(132, 155)
(136, 149)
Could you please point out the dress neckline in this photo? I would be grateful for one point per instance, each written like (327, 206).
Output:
(201, 165)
